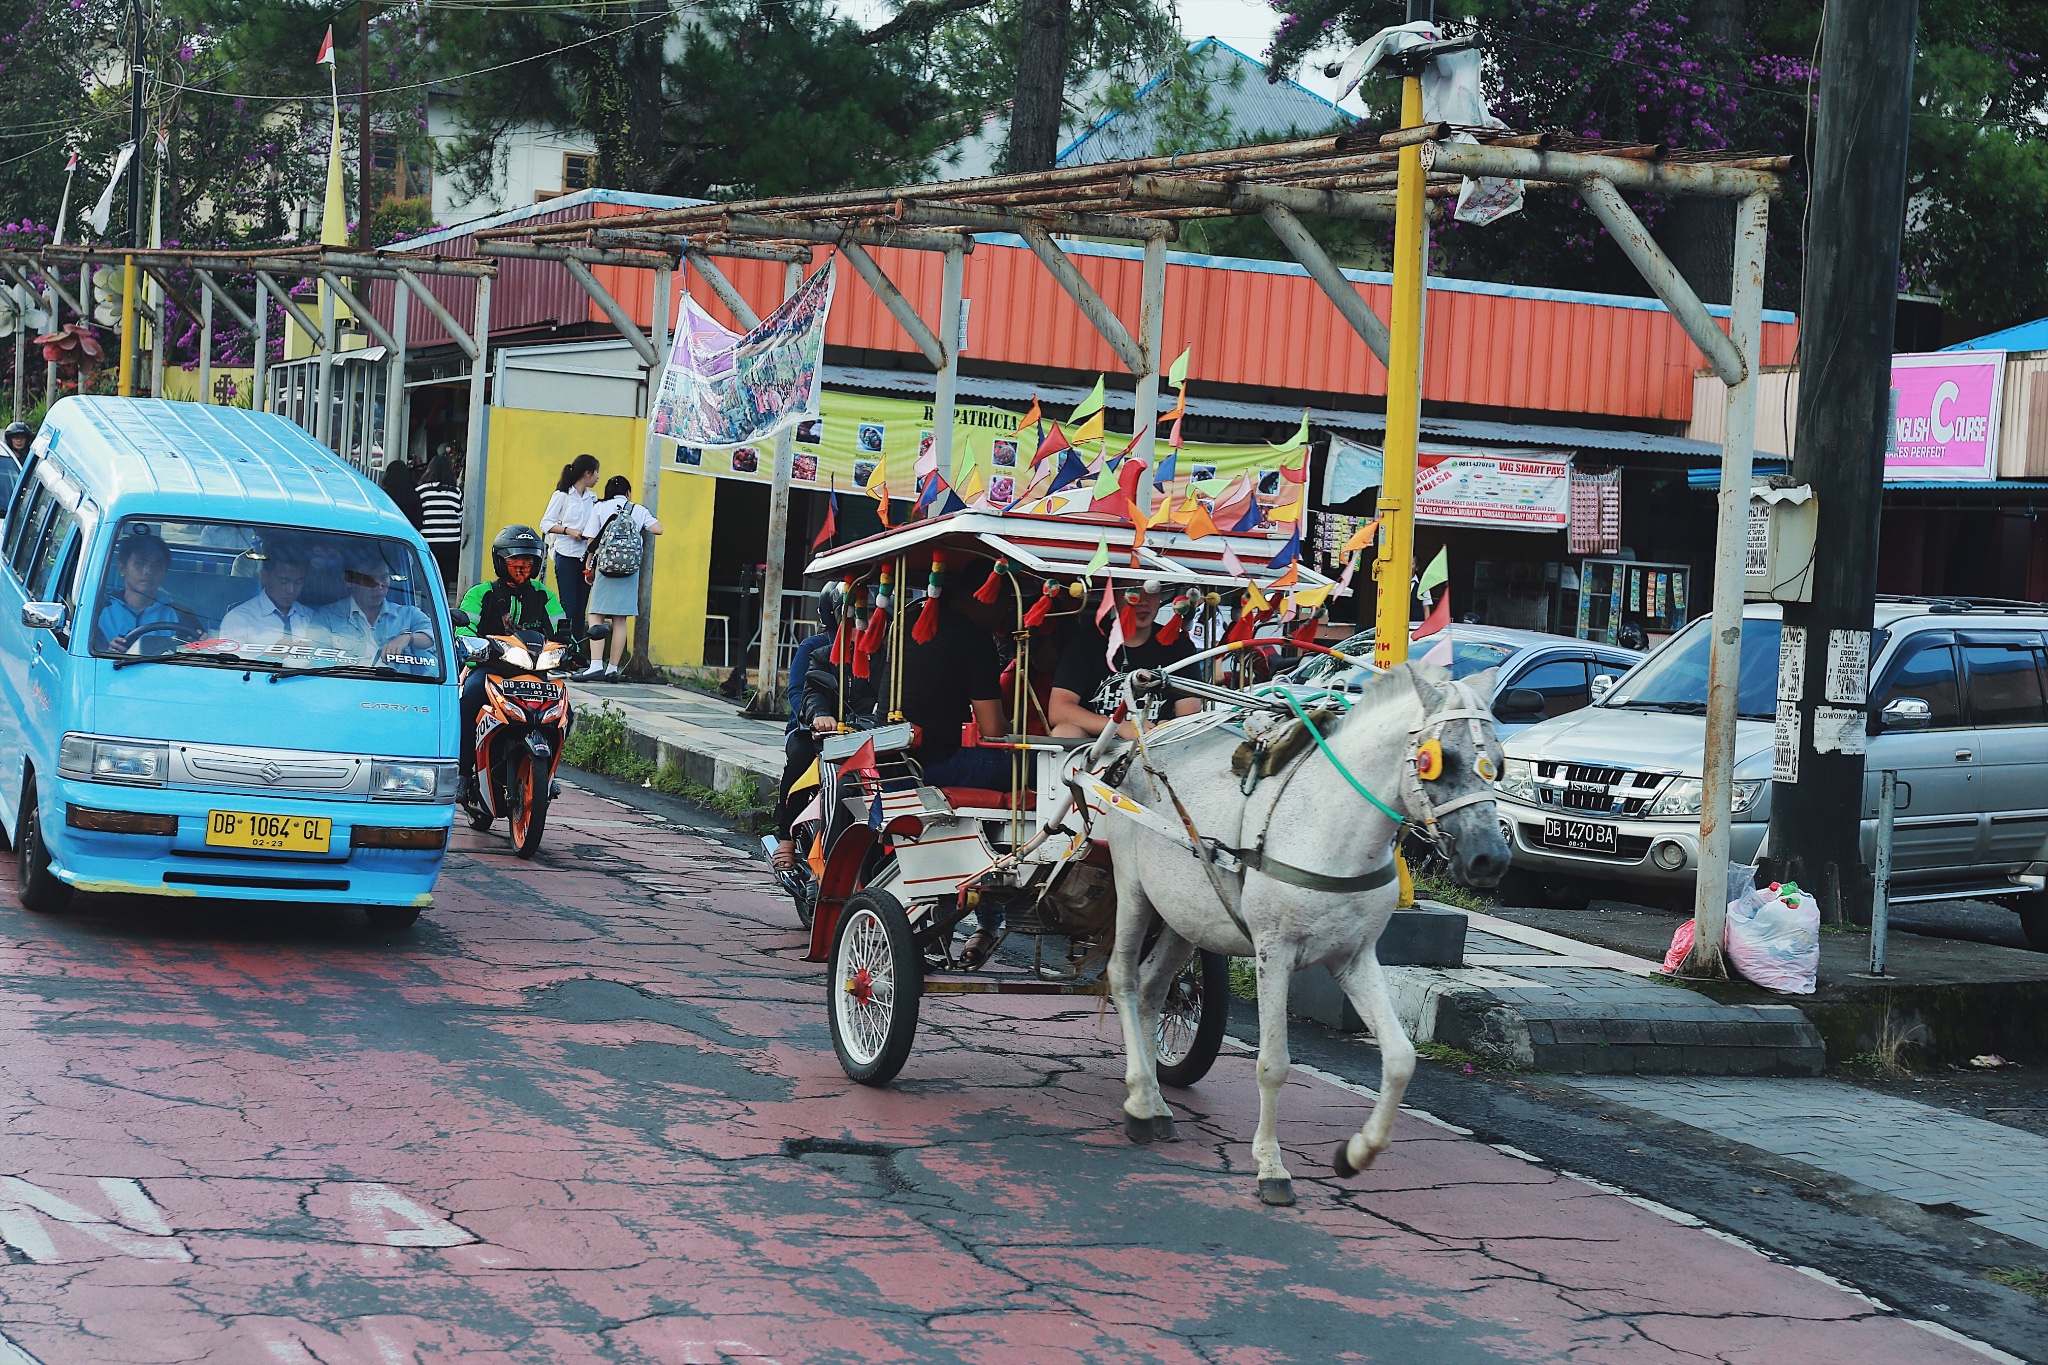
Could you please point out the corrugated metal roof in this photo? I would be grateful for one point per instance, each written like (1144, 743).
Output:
(1265, 324)
(2028, 336)
(1019, 393)
(1711, 478)
(1232, 85)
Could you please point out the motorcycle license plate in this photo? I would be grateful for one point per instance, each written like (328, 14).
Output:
(1582, 836)
(276, 833)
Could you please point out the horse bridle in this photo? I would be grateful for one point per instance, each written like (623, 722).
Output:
(1415, 788)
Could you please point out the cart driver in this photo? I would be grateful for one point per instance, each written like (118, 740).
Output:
(1086, 690)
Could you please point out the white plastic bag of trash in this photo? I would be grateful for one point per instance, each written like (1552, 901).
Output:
(1774, 938)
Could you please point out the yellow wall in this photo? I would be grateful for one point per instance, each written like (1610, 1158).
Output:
(527, 450)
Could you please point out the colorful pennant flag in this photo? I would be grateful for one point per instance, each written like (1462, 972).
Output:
(1199, 523)
(1071, 470)
(1362, 537)
(1052, 445)
(1031, 418)
(1097, 560)
(831, 526)
(1438, 573)
(1177, 373)
(1288, 553)
(1089, 430)
(326, 57)
(1438, 618)
(1091, 404)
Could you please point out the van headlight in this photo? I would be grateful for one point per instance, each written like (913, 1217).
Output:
(1682, 798)
(411, 780)
(1517, 782)
(132, 762)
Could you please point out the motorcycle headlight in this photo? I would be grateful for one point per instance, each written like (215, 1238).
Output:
(114, 760)
(412, 780)
(1517, 781)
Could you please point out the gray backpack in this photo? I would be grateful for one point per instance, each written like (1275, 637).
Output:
(618, 545)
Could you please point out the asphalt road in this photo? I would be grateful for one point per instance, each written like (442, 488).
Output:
(588, 1110)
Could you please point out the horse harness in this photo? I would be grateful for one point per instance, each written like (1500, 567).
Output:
(1424, 765)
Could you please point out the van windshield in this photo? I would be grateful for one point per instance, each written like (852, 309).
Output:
(1674, 677)
(233, 594)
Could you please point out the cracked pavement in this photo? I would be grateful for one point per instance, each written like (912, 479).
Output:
(588, 1110)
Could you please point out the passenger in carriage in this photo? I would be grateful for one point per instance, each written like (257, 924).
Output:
(808, 722)
(1086, 689)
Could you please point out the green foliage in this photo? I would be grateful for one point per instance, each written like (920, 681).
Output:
(2026, 1279)
(1467, 1062)
(1439, 887)
(1244, 978)
(601, 743)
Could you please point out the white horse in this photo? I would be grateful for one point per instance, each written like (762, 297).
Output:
(1300, 872)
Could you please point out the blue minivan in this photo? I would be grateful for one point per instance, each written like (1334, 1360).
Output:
(225, 668)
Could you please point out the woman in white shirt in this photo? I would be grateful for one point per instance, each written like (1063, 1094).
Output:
(568, 509)
(614, 597)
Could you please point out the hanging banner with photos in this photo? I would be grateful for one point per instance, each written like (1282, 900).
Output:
(726, 388)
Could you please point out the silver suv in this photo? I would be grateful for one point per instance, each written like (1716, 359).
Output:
(1611, 793)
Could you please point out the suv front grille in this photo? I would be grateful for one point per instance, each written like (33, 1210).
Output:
(1597, 789)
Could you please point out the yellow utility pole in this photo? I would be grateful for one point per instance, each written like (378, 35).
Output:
(1394, 565)
(127, 387)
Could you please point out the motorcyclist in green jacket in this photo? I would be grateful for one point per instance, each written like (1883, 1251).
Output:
(516, 599)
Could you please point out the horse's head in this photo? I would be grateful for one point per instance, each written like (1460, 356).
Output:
(1447, 783)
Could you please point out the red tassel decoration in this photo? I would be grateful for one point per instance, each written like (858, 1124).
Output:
(876, 631)
(1042, 608)
(862, 667)
(1167, 631)
(927, 627)
(1242, 628)
(992, 586)
(839, 644)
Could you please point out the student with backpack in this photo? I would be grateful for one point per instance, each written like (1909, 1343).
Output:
(612, 566)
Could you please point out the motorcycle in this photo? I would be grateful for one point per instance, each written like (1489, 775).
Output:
(520, 729)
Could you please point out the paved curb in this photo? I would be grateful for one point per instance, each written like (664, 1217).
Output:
(711, 759)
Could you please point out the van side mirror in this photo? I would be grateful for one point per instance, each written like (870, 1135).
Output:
(1518, 702)
(458, 618)
(1603, 683)
(1906, 713)
(43, 615)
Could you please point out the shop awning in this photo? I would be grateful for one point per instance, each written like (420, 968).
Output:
(1711, 479)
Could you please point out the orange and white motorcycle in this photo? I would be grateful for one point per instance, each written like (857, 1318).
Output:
(520, 729)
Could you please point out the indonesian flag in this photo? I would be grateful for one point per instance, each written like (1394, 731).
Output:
(326, 57)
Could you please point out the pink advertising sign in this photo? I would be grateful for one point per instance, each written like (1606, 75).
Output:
(1945, 415)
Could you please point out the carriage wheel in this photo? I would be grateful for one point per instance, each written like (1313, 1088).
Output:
(875, 978)
(1192, 1020)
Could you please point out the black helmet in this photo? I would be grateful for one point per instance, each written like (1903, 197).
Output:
(23, 430)
(831, 602)
(515, 542)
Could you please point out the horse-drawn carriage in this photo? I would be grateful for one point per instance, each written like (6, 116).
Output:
(895, 864)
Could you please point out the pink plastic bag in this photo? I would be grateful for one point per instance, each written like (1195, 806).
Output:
(1681, 944)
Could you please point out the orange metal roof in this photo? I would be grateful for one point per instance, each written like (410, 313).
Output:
(1265, 323)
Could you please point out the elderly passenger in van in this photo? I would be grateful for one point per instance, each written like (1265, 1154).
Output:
(367, 625)
(275, 613)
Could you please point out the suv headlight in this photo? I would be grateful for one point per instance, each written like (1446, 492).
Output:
(1682, 798)
(1517, 780)
(410, 780)
(132, 762)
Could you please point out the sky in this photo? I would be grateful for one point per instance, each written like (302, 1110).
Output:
(1246, 25)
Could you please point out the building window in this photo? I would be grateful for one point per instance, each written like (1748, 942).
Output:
(579, 171)
(383, 152)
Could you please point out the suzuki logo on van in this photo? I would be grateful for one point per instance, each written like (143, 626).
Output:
(270, 772)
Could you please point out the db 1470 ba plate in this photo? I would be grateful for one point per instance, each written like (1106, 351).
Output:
(1580, 836)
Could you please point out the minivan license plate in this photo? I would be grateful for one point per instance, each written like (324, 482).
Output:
(279, 833)
(1581, 835)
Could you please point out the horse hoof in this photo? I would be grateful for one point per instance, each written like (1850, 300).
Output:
(1277, 1194)
(1139, 1130)
(1163, 1129)
(1341, 1163)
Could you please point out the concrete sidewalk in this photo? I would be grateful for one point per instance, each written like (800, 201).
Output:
(701, 733)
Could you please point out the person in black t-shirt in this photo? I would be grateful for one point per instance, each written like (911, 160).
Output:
(952, 679)
(1086, 690)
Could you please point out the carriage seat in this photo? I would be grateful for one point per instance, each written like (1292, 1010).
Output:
(985, 798)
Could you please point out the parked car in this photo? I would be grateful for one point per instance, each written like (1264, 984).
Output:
(1959, 709)
(1541, 676)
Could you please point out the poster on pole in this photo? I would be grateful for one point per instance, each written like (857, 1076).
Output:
(1511, 490)
(725, 388)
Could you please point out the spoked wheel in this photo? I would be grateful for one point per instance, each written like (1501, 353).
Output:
(1192, 1020)
(876, 979)
(527, 788)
